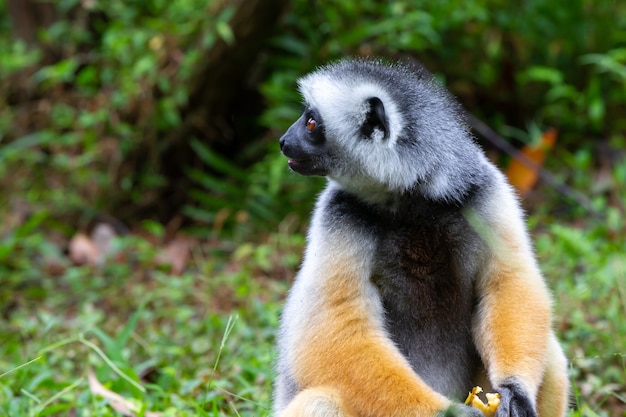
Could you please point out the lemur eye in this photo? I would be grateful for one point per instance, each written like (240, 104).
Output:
(311, 124)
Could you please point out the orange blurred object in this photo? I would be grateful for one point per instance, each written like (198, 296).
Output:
(523, 177)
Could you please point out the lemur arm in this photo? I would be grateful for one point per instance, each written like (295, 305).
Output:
(512, 326)
(339, 352)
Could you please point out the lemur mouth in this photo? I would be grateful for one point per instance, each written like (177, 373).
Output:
(306, 167)
(297, 162)
(300, 165)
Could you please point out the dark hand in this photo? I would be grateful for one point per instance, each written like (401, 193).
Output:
(514, 401)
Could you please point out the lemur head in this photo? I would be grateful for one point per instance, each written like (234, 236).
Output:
(383, 128)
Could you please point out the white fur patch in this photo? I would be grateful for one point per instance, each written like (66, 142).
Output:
(342, 104)
(325, 248)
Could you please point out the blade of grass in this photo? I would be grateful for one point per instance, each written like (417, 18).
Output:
(58, 344)
(239, 397)
(110, 363)
(116, 401)
(58, 395)
(229, 327)
(81, 339)
(30, 395)
(21, 366)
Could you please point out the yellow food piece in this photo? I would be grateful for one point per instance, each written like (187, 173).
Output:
(489, 409)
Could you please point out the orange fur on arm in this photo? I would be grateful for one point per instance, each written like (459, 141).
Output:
(346, 348)
(513, 323)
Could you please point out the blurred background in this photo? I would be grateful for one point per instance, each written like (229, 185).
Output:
(149, 227)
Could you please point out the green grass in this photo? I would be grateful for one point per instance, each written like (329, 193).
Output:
(201, 344)
(198, 344)
(587, 272)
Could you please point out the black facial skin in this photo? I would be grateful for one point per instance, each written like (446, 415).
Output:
(305, 147)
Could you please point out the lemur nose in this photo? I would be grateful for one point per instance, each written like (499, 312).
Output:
(282, 143)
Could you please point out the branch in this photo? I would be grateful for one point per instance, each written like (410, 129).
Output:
(562, 188)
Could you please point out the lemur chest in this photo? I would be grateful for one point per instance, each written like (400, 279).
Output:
(423, 268)
(424, 274)
(425, 260)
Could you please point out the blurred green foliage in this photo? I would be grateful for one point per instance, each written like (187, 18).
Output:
(249, 197)
(587, 273)
(116, 85)
(558, 63)
(198, 344)
(521, 68)
(95, 121)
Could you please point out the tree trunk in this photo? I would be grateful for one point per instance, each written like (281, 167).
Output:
(224, 100)
(28, 16)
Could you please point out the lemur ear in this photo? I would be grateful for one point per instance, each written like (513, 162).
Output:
(375, 119)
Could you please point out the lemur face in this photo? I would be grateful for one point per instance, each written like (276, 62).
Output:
(373, 127)
(311, 152)
(306, 146)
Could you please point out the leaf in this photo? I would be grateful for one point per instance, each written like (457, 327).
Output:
(213, 184)
(225, 32)
(542, 74)
(102, 237)
(124, 335)
(82, 250)
(116, 401)
(110, 346)
(176, 254)
(217, 162)
(524, 177)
